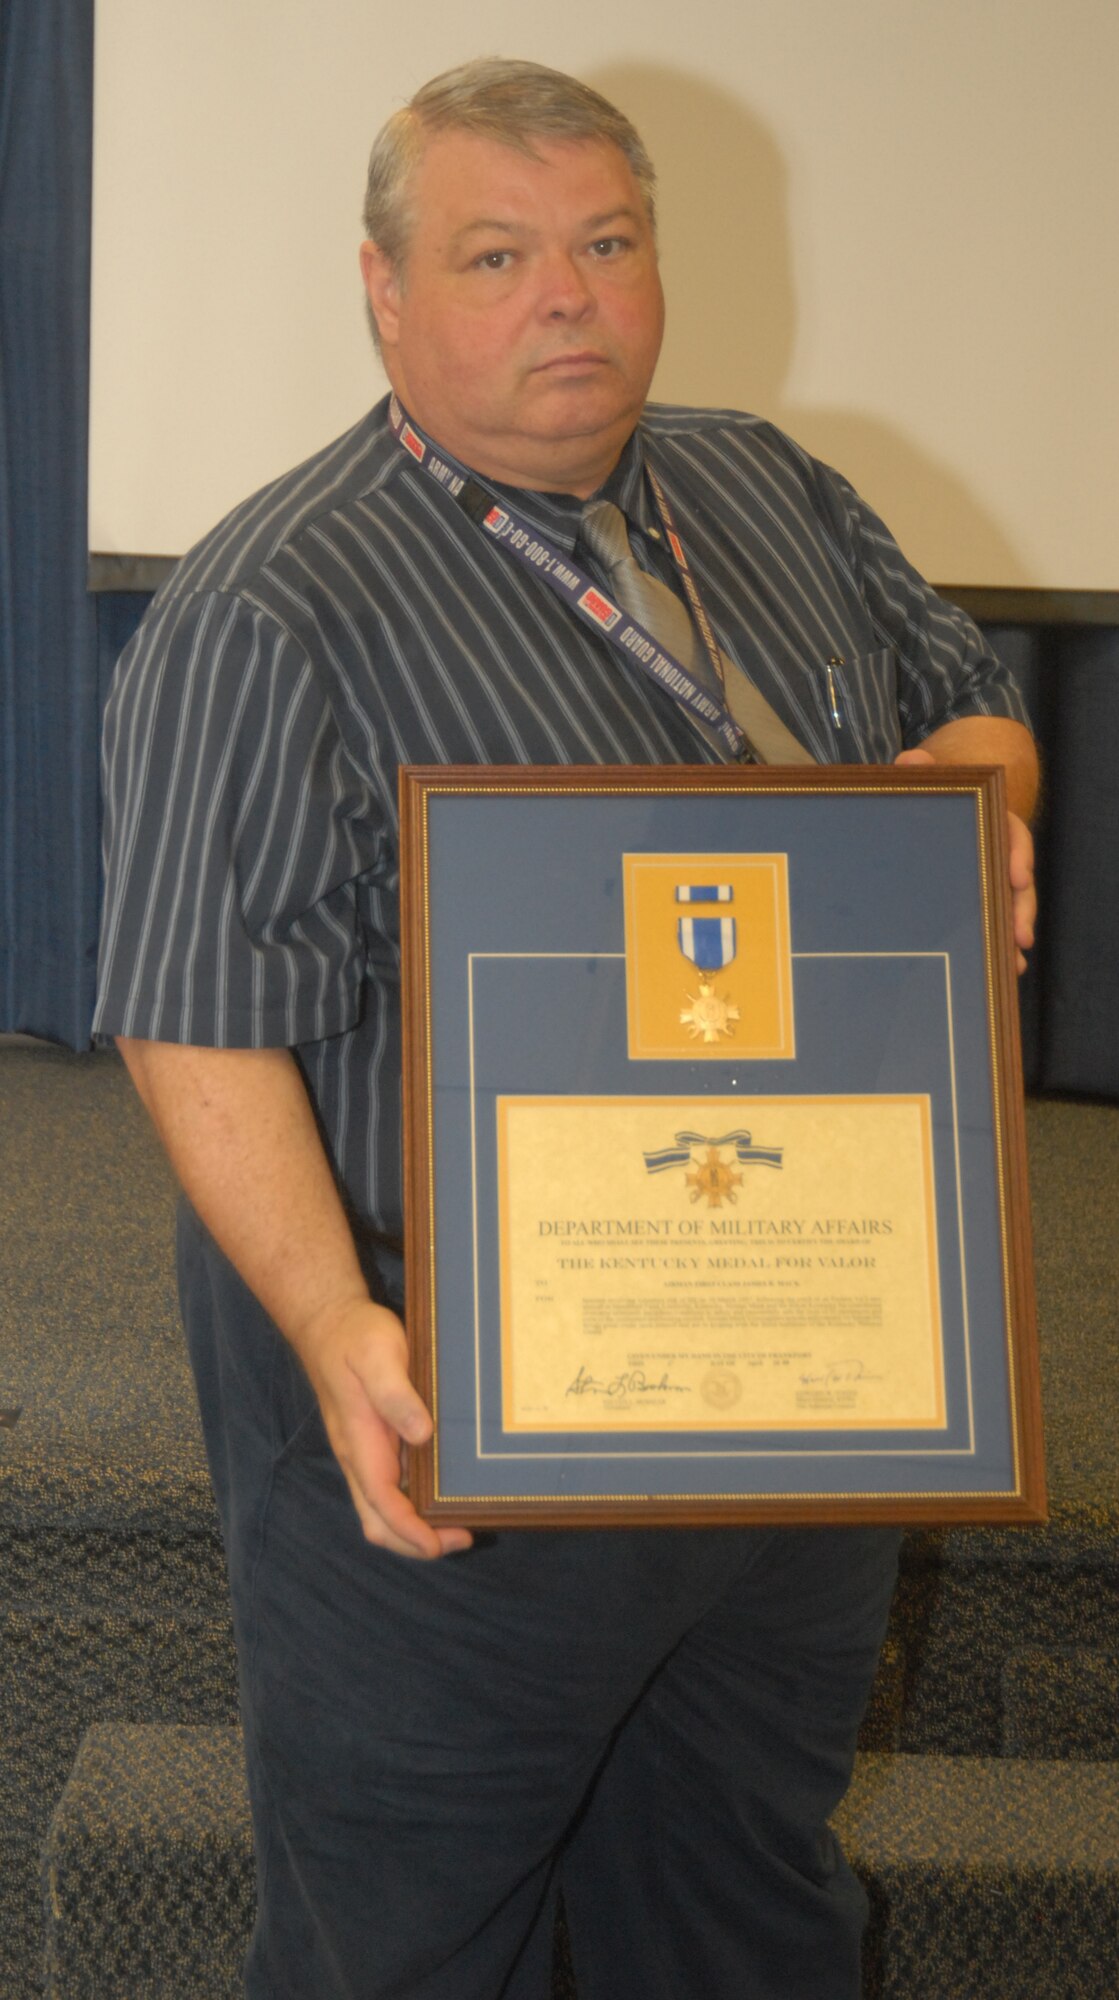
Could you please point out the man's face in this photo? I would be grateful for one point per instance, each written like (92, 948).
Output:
(524, 329)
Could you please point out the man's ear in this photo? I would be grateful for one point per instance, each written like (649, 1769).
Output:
(382, 289)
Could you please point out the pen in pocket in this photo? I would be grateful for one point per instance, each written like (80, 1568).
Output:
(836, 660)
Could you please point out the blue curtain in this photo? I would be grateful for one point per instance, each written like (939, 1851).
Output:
(1070, 996)
(49, 698)
(1078, 724)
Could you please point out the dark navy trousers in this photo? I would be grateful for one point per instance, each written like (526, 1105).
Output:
(657, 1722)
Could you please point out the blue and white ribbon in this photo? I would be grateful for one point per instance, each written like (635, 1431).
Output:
(746, 1153)
(708, 943)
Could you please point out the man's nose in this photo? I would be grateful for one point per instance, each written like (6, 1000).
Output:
(565, 291)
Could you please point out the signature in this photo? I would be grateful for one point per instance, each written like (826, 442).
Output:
(840, 1374)
(631, 1382)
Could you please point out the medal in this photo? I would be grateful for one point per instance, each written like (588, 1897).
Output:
(708, 1014)
(710, 944)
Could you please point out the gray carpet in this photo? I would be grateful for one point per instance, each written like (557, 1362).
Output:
(1003, 1644)
(113, 1601)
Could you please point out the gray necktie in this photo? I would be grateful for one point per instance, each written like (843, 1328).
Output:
(658, 608)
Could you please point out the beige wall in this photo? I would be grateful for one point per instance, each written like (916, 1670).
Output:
(889, 225)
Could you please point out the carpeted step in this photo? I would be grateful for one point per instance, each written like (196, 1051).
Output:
(1061, 1703)
(989, 1878)
(113, 1600)
(147, 1869)
(969, 1602)
(62, 1671)
(148, 1860)
(882, 1723)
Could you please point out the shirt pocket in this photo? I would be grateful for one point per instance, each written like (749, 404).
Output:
(859, 697)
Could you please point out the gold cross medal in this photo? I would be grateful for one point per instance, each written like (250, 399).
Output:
(709, 943)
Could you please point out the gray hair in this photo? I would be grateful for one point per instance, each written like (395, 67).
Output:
(496, 98)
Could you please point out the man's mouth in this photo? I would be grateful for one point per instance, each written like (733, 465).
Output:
(583, 359)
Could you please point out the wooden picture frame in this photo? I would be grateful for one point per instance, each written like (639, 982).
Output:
(716, 1196)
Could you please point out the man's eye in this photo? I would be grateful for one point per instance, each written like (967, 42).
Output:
(608, 246)
(494, 260)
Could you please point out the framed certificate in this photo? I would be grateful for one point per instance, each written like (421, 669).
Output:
(715, 1170)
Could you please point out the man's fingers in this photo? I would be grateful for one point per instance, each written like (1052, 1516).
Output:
(1021, 853)
(392, 1394)
(369, 1454)
(1023, 890)
(359, 1369)
(389, 1520)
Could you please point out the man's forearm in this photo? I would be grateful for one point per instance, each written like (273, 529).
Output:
(242, 1137)
(992, 739)
(239, 1130)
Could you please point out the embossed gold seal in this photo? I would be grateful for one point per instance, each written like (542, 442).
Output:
(721, 1387)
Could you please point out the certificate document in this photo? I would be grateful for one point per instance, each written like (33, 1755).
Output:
(719, 1264)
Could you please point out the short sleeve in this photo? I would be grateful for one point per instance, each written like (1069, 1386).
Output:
(236, 830)
(945, 668)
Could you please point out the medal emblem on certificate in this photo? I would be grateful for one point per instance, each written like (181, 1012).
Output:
(711, 1178)
(710, 944)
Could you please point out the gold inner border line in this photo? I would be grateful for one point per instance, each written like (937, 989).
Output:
(483, 1456)
(886, 1496)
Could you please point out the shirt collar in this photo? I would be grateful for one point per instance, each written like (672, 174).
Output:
(558, 515)
(628, 487)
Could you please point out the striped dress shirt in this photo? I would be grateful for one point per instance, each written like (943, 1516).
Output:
(350, 618)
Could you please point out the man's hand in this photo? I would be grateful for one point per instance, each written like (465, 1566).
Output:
(357, 1361)
(1022, 889)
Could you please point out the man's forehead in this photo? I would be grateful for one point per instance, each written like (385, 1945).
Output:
(462, 166)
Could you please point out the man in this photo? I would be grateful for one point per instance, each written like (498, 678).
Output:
(660, 1721)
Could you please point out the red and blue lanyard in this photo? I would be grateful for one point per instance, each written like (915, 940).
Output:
(517, 537)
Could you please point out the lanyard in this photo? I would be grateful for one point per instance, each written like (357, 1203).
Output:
(517, 537)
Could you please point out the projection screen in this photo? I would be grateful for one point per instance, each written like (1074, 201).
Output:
(889, 226)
